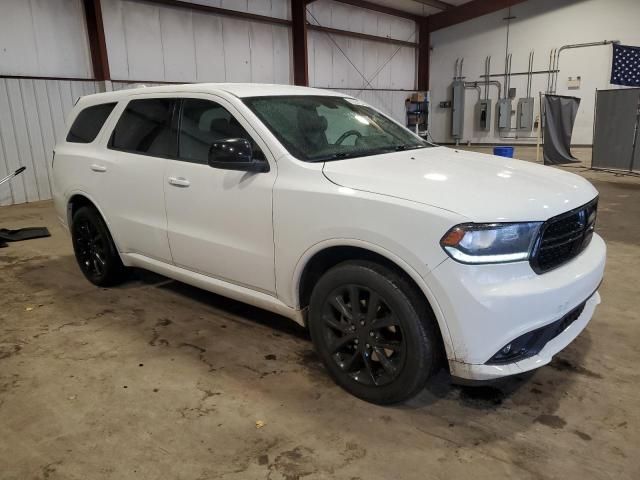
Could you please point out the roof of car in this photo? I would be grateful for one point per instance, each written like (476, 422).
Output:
(241, 90)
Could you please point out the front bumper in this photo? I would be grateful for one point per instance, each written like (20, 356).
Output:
(487, 306)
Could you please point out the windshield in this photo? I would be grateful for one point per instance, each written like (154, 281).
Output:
(318, 129)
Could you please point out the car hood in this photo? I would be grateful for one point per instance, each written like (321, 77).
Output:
(483, 188)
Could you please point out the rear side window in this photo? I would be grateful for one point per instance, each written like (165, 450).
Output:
(88, 123)
(147, 127)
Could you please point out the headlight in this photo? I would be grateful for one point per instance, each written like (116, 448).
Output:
(490, 242)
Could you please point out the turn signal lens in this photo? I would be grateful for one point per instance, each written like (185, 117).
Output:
(453, 237)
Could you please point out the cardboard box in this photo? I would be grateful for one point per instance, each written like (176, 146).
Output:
(417, 97)
(414, 118)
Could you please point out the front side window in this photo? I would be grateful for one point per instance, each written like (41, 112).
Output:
(146, 127)
(204, 122)
(89, 122)
(318, 129)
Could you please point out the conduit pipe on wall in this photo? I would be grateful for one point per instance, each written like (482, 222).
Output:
(556, 65)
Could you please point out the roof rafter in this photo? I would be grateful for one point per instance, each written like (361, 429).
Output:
(468, 11)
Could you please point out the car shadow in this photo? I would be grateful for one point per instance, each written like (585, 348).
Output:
(441, 387)
(536, 391)
(219, 302)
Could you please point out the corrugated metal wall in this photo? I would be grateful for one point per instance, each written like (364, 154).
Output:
(153, 43)
(44, 38)
(378, 73)
(390, 102)
(32, 117)
(337, 61)
(149, 42)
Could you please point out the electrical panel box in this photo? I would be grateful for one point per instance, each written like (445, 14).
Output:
(573, 83)
(457, 109)
(483, 114)
(504, 113)
(525, 114)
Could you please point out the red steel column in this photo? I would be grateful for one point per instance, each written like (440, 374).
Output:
(299, 42)
(424, 48)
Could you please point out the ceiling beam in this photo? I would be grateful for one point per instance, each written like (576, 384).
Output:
(381, 9)
(436, 4)
(468, 11)
(363, 36)
(222, 11)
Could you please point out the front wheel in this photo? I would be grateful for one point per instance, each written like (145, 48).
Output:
(373, 332)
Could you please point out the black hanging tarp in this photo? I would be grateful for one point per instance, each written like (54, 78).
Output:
(559, 116)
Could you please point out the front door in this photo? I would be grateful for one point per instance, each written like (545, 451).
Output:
(219, 221)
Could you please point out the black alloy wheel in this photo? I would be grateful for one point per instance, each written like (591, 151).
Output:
(95, 251)
(373, 331)
(364, 337)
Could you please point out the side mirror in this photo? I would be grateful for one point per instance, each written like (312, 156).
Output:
(235, 154)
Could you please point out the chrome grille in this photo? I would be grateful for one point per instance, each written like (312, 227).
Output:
(564, 237)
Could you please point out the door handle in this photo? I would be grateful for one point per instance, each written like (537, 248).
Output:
(179, 181)
(98, 168)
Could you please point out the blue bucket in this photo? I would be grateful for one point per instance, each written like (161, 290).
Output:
(503, 151)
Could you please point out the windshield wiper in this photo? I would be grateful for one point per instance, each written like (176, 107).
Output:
(404, 146)
(366, 153)
(336, 156)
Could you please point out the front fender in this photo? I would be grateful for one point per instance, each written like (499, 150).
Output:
(420, 278)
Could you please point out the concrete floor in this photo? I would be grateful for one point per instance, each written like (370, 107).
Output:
(156, 379)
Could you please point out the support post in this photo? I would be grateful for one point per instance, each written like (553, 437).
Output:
(424, 48)
(97, 42)
(299, 42)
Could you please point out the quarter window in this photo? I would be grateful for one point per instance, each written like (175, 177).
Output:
(203, 123)
(146, 127)
(89, 122)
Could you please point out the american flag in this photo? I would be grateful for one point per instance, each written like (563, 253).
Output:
(626, 66)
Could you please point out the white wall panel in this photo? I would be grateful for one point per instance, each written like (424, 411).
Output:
(209, 48)
(390, 102)
(237, 50)
(178, 45)
(541, 26)
(173, 44)
(347, 17)
(144, 41)
(338, 61)
(44, 38)
(383, 65)
(115, 38)
(261, 49)
(282, 59)
(357, 66)
(356, 52)
(32, 118)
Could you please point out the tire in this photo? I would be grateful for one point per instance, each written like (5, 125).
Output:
(95, 251)
(389, 353)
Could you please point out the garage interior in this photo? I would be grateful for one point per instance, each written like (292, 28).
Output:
(157, 379)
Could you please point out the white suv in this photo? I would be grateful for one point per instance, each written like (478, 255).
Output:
(394, 252)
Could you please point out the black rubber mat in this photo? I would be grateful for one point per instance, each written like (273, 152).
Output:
(20, 234)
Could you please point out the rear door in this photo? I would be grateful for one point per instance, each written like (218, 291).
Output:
(130, 175)
(219, 221)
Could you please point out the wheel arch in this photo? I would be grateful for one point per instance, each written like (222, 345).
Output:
(326, 255)
(80, 199)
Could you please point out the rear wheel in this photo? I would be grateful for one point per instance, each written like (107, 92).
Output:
(373, 332)
(95, 251)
